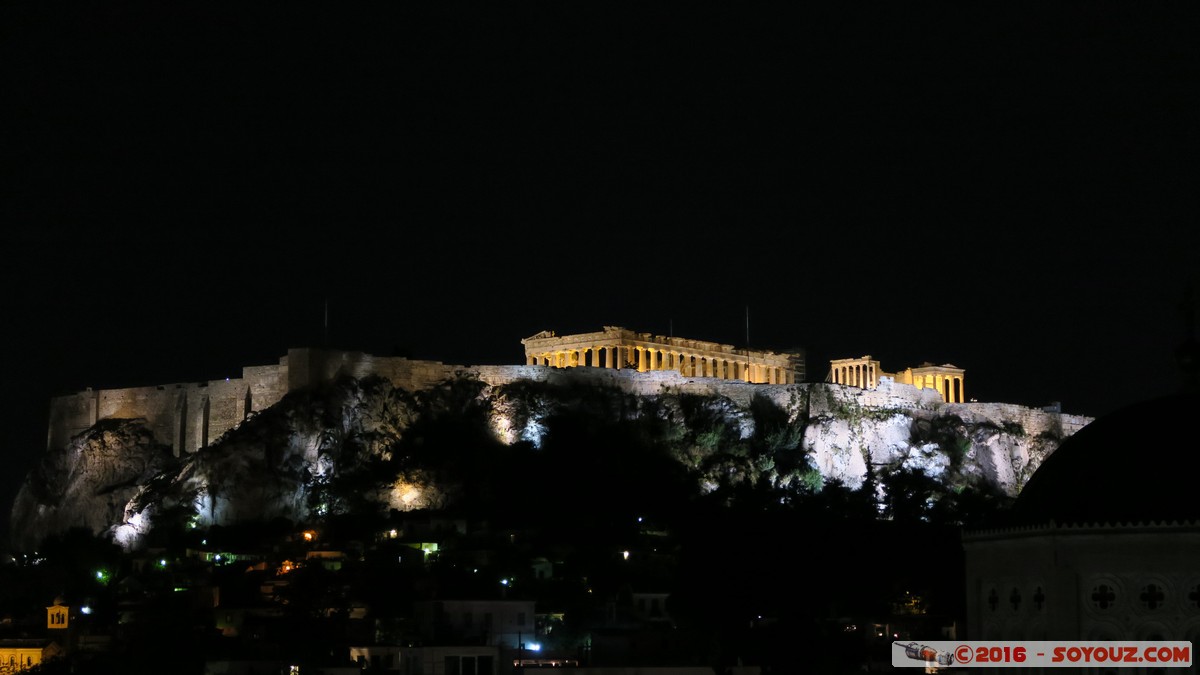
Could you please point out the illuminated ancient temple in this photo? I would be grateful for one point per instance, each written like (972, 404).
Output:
(618, 348)
(864, 372)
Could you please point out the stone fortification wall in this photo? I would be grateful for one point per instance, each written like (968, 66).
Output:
(311, 366)
(70, 415)
(184, 416)
(208, 411)
(265, 385)
(189, 416)
(1035, 421)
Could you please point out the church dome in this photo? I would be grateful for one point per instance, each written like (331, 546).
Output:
(1138, 464)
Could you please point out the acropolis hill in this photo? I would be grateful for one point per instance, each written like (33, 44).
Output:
(188, 416)
(857, 418)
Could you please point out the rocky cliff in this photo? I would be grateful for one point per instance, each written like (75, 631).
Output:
(508, 448)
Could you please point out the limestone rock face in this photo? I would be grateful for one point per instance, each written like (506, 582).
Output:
(363, 445)
(304, 456)
(998, 445)
(88, 483)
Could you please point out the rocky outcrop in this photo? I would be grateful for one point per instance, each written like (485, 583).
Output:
(89, 482)
(958, 444)
(359, 445)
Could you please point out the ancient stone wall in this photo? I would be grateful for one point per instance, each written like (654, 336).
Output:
(1034, 420)
(265, 385)
(70, 415)
(190, 416)
(311, 366)
(184, 416)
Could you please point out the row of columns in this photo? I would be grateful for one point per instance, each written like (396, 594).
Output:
(865, 375)
(862, 375)
(949, 386)
(649, 358)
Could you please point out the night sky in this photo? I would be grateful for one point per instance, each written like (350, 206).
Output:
(192, 189)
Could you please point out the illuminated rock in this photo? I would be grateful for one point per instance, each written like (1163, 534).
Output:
(88, 482)
(350, 438)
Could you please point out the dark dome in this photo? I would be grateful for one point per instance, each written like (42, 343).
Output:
(1138, 464)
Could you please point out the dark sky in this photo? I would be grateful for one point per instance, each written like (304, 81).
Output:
(186, 187)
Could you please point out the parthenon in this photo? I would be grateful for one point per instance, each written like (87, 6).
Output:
(616, 347)
(864, 372)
